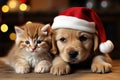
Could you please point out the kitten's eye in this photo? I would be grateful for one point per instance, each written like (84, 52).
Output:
(62, 39)
(27, 42)
(39, 41)
(83, 38)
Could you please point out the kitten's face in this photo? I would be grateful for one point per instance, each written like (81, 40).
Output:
(33, 37)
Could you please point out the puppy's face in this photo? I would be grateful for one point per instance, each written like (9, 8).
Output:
(73, 45)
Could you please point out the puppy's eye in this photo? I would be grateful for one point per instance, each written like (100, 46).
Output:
(27, 42)
(83, 38)
(62, 39)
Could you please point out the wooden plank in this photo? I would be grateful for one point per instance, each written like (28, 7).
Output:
(7, 73)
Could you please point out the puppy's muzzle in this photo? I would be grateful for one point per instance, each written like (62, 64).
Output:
(73, 54)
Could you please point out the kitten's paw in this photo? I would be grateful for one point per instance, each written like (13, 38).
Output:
(43, 66)
(101, 67)
(60, 69)
(22, 69)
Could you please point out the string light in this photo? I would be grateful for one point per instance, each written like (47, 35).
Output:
(4, 28)
(23, 7)
(5, 8)
(12, 36)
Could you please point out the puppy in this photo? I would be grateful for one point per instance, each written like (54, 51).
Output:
(74, 46)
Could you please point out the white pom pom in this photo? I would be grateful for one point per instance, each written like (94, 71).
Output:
(106, 47)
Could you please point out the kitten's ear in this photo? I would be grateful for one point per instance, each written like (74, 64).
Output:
(18, 30)
(46, 29)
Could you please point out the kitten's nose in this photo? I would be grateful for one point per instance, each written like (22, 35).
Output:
(73, 54)
(33, 48)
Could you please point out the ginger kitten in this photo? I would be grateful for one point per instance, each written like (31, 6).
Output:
(31, 50)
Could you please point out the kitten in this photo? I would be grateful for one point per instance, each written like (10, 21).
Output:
(31, 50)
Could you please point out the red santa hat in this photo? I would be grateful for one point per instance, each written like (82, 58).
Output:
(84, 19)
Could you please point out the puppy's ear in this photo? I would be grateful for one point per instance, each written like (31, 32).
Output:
(96, 49)
(54, 49)
(96, 42)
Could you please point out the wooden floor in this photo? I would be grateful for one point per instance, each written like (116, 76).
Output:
(6, 73)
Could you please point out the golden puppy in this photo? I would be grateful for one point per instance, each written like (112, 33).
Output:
(75, 46)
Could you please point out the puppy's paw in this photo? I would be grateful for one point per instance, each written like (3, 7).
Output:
(22, 69)
(60, 69)
(43, 66)
(101, 67)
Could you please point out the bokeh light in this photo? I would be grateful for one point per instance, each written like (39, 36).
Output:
(23, 7)
(28, 22)
(89, 4)
(12, 36)
(4, 28)
(12, 4)
(104, 4)
(5, 8)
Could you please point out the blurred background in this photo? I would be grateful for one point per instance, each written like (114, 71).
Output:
(19, 12)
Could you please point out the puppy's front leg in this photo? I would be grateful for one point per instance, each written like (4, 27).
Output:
(59, 67)
(101, 64)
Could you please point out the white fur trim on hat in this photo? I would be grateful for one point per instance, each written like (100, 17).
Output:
(106, 47)
(73, 23)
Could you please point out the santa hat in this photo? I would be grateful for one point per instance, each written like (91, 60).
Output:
(84, 19)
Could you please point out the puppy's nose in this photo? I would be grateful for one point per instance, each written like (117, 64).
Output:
(73, 54)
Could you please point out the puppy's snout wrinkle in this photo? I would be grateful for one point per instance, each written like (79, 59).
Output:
(73, 54)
